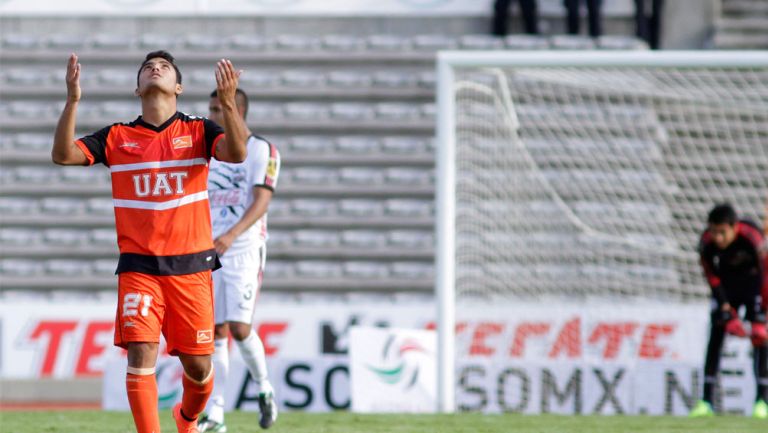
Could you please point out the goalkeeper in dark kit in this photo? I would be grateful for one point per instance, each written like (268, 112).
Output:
(733, 257)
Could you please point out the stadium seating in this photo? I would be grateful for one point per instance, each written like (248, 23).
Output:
(353, 117)
(743, 25)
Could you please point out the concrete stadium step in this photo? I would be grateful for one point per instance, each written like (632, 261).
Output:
(728, 40)
(278, 126)
(745, 7)
(51, 252)
(279, 93)
(292, 284)
(290, 158)
(747, 25)
(284, 222)
(301, 190)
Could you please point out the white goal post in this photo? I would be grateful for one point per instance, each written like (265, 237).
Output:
(618, 152)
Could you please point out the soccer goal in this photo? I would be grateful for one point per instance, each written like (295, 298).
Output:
(575, 176)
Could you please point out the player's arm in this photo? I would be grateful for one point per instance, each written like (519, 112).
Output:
(64, 151)
(707, 265)
(231, 148)
(261, 198)
(765, 220)
(765, 235)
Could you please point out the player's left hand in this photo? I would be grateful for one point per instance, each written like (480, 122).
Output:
(227, 78)
(759, 334)
(222, 243)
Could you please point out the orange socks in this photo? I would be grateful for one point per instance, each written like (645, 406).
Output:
(195, 395)
(141, 385)
(142, 396)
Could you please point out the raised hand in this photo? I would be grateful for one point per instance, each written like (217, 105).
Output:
(73, 79)
(226, 80)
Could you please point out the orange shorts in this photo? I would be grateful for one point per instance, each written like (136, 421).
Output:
(179, 306)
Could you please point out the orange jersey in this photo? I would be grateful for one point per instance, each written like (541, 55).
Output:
(159, 190)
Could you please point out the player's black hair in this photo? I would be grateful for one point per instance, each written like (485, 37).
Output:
(722, 214)
(163, 55)
(238, 92)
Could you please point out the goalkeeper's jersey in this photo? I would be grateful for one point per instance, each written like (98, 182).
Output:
(737, 269)
(159, 191)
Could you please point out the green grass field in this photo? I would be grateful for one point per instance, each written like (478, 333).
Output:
(344, 422)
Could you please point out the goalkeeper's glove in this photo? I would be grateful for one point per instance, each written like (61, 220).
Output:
(759, 334)
(734, 326)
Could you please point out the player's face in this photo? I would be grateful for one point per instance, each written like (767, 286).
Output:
(722, 234)
(214, 110)
(158, 73)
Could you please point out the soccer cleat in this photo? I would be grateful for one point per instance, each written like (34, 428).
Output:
(702, 409)
(760, 410)
(268, 409)
(205, 424)
(182, 425)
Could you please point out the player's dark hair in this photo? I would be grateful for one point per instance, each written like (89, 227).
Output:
(238, 92)
(165, 55)
(722, 214)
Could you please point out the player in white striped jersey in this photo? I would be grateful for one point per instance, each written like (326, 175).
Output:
(239, 195)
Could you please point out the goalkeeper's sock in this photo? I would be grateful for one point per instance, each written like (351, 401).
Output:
(761, 372)
(195, 395)
(709, 388)
(142, 397)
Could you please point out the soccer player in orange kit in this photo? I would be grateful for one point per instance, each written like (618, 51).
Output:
(159, 168)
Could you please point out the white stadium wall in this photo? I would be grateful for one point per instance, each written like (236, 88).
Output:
(528, 358)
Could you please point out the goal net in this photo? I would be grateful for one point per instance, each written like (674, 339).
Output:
(587, 176)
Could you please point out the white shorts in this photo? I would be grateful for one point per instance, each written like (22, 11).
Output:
(236, 286)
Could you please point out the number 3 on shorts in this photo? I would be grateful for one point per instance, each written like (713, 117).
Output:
(131, 302)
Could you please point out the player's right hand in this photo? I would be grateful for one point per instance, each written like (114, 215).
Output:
(223, 242)
(73, 79)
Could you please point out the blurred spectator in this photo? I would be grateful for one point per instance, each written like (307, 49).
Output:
(593, 14)
(501, 16)
(649, 22)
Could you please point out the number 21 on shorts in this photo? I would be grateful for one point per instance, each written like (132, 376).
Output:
(131, 303)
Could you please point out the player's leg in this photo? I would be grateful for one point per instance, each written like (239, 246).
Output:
(188, 330)
(594, 17)
(197, 383)
(500, 26)
(140, 312)
(141, 386)
(760, 354)
(530, 14)
(756, 315)
(213, 420)
(243, 289)
(252, 350)
(573, 17)
(712, 360)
